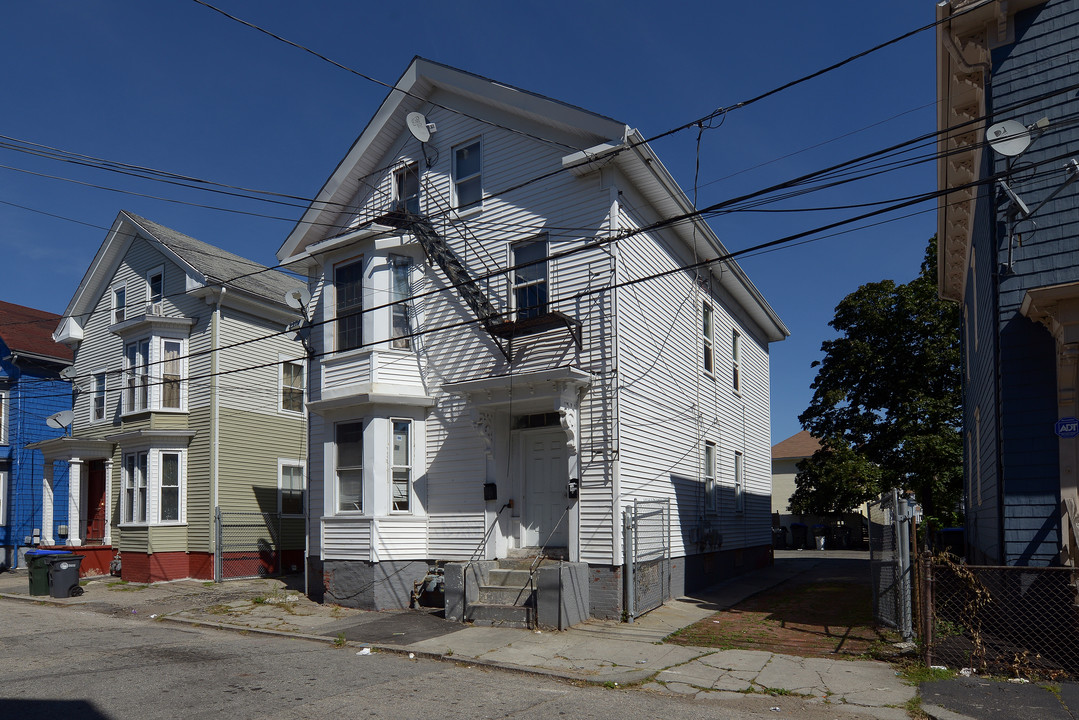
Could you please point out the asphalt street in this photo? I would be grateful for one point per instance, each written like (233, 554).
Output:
(58, 663)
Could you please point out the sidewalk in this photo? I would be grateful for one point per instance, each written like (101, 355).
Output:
(603, 652)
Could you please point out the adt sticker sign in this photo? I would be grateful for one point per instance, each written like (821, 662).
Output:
(1067, 427)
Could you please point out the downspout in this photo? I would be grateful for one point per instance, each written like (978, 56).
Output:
(616, 464)
(215, 422)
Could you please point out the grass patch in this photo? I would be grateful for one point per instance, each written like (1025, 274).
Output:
(916, 673)
(914, 709)
(339, 641)
(124, 586)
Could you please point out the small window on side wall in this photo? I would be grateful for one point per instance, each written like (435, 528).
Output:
(119, 303)
(736, 361)
(467, 175)
(530, 282)
(291, 496)
(711, 490)
(292, 387)
(348, 445)
(739, 483)
(406, 189)
(708, 338)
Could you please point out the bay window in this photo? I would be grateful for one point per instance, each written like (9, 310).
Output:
(154, 370)
(153, 487)
(97, 402)
(400, 292)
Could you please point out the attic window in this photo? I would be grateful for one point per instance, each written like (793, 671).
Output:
(406, 189)
(467, 177)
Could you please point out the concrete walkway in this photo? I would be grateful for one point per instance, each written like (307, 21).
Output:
(604, 652)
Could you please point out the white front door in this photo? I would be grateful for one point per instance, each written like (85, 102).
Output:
(543, 460)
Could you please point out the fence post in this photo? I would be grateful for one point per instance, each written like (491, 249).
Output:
(627, 538)
(217, 543)
(927, 634)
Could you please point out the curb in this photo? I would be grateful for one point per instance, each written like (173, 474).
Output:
(628, 678)
(936, 712)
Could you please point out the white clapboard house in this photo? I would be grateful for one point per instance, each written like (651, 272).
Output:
(495, 384)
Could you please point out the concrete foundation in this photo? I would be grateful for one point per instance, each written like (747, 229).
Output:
(365, 585)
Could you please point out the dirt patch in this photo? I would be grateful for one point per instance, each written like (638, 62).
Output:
(810, 619)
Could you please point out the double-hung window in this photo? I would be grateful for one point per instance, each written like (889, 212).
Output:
(169, 487)
(708, 337)
(3, 497)
(401, 465)
(135, 471)
(97, 399)
(348, 441)
(711, 490)
(467, 175)
(3, 417)
(530, 281)
(400, 294)
(290, 499)
(292, 386)
(348, 299)
(406, 189)
(171, 373)
(136, 377)
(736, 361)
(739, 483)
(119, 303)
(155, 290)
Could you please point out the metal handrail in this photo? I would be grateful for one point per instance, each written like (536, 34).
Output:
(486, 535)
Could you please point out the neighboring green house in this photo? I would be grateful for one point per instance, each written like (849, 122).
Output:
(189, 404)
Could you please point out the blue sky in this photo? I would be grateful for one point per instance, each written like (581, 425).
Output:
(174, 86)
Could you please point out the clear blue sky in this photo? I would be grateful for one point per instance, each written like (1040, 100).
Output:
(174, 86)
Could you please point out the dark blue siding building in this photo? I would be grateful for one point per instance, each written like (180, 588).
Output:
(31, 390)
(1009, 253)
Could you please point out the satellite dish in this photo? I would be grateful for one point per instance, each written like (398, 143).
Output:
(297, 298)
(68, 373)
(1009, 138)
(60, 420)
(1015, 198)
(417, 125)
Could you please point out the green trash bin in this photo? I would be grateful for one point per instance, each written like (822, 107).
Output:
(64, 575)
(37, 563)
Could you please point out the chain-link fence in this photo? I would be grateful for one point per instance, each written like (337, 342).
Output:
(646, 526)
(256, 544)
(1019, 621)
(890, 562)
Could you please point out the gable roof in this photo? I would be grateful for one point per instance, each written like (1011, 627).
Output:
(28, 331)
(207, 266)
(799, 445)
(606, 140)
(220, 267)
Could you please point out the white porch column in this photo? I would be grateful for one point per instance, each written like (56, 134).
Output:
(76, 500)
(569, 403)
(497, 541)
(46, 502)
(108, 500)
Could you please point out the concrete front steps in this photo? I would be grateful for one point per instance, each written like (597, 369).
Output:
(518, 592)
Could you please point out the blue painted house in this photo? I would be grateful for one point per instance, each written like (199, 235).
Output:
(31, 390)
(1009, 254)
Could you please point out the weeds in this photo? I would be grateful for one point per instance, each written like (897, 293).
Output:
(339, 641)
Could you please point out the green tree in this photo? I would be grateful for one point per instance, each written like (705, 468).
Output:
(887, 401)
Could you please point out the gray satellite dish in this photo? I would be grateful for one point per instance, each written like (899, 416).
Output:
(1009, 138)
(1022, 206)
(68, 373)
(297, 298)
(60, 420)
(417, 125)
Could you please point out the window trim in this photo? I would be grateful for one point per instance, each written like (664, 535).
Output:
(5, 395)
(4, 476)
(362, 467)
(283, 463)
(739, 482)
(118, 313)
(101, 391)
(284, 361)
(355, 260)
(151, 486)
(405, 304)
(181, 484)
(736, 361)
(408, 468)
(400, 174)
(476, 206)
(711, 486)
(708, 338)
(155, 307)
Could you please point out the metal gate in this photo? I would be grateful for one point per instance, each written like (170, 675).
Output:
(646, 533)
(889, 555)
(248, 545)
